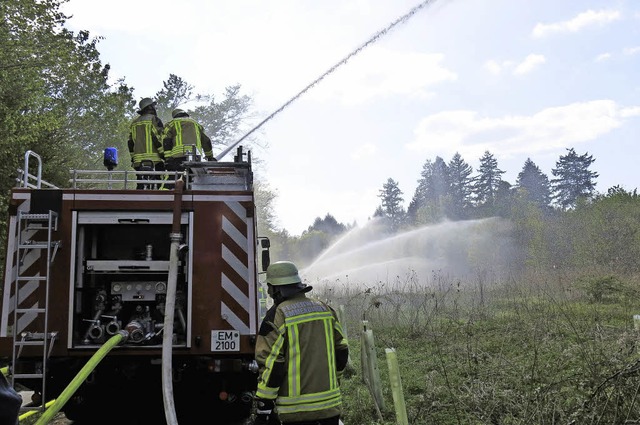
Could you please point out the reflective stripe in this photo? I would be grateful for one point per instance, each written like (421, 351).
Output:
(144, 149)
(309, 318)
(177, 149)
(328, 334)
(264, 391)
(309, 398)
(308, 407)
(294, 360)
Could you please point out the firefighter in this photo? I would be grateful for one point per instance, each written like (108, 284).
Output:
(180, 134)
(301, 352)
(145, 144)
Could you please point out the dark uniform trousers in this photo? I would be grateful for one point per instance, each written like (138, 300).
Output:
(328, 421)
(148, 181)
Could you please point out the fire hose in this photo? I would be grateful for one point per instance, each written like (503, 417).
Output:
(167, 337)
(66, 394)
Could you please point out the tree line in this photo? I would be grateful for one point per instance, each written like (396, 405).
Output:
(451, 190)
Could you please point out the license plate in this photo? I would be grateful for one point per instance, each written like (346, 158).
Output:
(225, 340)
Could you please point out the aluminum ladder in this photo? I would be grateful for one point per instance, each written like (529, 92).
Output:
(31, 292)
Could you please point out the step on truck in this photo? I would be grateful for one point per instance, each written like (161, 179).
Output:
(104, 258)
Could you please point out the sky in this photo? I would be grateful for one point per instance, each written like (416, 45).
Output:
(518, 78)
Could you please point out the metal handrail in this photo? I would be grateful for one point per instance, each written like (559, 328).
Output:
(25, 176)
(126, 177)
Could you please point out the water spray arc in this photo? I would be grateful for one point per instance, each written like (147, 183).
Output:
(401, 20)
(456, 249)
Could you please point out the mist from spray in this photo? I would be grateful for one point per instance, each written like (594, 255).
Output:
(458, 249)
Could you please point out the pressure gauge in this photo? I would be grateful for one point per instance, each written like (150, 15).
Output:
(161, 287)
(116, 287)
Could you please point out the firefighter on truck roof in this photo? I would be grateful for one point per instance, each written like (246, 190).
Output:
(145, 145)
(301, 352)
(181, 132)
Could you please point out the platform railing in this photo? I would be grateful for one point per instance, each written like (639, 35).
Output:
(126, 179)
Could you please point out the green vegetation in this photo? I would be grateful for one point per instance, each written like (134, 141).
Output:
(551, 349)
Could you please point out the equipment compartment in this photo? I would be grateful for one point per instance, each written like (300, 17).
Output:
(122, 270)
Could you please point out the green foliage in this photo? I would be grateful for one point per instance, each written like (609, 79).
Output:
(391, 201)
(223, 120)
(530, 230)
(460, 182)
(534, 184)
(573, 179)
(487, 181)
(175, 92)
(55, 98)
(328, 225)
(602, 288)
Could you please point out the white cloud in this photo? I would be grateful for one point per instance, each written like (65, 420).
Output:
(550, 129)
(631, 50)
(529, 64)
(603, 57)
(582, 20)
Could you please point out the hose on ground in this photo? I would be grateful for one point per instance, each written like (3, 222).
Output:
(75, 383)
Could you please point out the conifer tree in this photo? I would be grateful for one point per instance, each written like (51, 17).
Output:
(391, 197)
(420, 195)
(534, 184)
(573, 179)
(460, 186)
(487, 181)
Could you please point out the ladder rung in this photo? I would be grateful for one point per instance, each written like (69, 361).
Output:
(25, 343)
(36, 335)
(27, 375)
(30, 310)
(35, 217)
(29, 278)
(35, 227)
(33, 245)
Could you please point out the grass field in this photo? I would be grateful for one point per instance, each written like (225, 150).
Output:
(554, 349)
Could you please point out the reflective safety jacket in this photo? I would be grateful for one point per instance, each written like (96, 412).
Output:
(182, 132)
(144, 139)
(301, 352)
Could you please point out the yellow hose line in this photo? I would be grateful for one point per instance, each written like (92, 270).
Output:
(33, 412)
(80, 377)
(5, 370)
